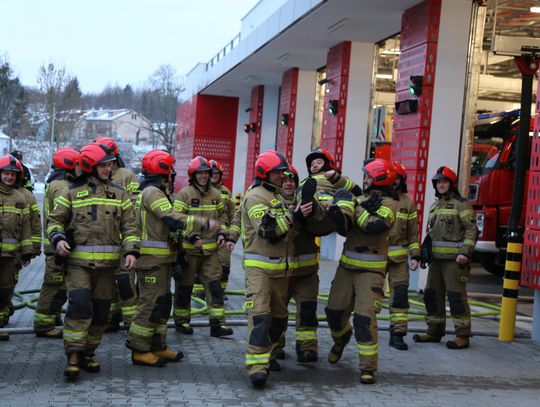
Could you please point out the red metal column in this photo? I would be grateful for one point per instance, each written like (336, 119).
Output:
(206, 125)
(410, 140)
(254, 137)
(287, 105)
(337, 75)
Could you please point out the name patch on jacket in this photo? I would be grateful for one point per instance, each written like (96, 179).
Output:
(449, 206)
(82, 194)
(195, 202)
(110, 195)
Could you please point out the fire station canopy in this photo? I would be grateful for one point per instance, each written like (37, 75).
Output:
(298, 34)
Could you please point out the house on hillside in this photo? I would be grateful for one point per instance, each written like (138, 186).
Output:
(124, 125)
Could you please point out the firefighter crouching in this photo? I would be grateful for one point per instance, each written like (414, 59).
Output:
(359, 279)
(201, 200)
(16, 248)
(92, 224)
(124, 301)
(52, 295)
(449, 244)
(403, 243)
(303, 284)
(157, 222)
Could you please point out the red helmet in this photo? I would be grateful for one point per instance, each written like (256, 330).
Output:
(93, 154)
(445, 173)
(10, 163)
(198, 164)
(292, 173)
(270, 161)
(157, 162)
(216, 167)
(109, 142)
(382, 171)
(400, 170)
(323, 153)
(66, 158)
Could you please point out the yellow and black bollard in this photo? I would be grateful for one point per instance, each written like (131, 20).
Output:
(512, 275)
(237, 200)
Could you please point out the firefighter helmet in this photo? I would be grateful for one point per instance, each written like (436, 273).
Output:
(269, 161)
(17, 154)
(93, 154)
(216, 167)
(323, 153)
(66, 159)
(292, 173)
(157, 162)
(382, 171)
(198, 164)
(400, 170)
(109, 142)
(445, 173)
(10, 163)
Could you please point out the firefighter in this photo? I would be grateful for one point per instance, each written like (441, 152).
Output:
(358, 283)
(16, 247)
(403, 244)
(200, 199)
(92, 225)
(266, 224)
(124, 300)
(157, 221)
(228, 205)
(27, 176)
(448, 247)
(52, 295)
(303, 284)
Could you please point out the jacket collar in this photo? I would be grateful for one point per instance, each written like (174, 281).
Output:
(5, 189)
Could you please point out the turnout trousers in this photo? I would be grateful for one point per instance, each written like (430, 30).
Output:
(446, 277)
(148, 329)
(89, 298)
(398, 280)
(266, 306)
(9, 271)
(225, 260)
(52, 296)
(361, 292)
(124, 301)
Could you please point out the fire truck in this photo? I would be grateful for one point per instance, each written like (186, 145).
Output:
(492, 183)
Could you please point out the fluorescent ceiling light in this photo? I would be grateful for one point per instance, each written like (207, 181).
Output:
(384, 76)
(283, 57)
(535, 9)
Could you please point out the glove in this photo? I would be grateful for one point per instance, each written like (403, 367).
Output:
(426, 251)
(373, 203)
(268, 220)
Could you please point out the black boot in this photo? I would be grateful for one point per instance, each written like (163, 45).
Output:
(217, 330)
(258, 379)
(396, 341)
(307, 356)
(274, 365)
(184, 328)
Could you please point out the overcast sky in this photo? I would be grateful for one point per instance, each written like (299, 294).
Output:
(115, 41)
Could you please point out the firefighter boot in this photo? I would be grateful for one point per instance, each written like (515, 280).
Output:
(426, 338)
(307, 356)
(217, 330)
(308, 191)
(274, 365)
(460, 342)
(89, 363)
(337, 350)
(184, 328)
(147, 359)
(72, 367)
(4, 336)
(169, 355)
(280, 354)
(258, 379)
(367, 377)
(396, 341)
(50, 334)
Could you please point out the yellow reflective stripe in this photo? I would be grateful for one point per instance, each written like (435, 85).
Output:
(35, 208)
(181, 312)
(141, 330)
(385, 212)
(367, 350)
(414, 246)
(234, 229)
(36, 239)
(161, 329)
(93, 340)
(127, 204)
(469, 242)
(372, 264)
(257, 211)
(26, 242)
(80, 203)
(445, 250)
(129, 310)
(401, 215)
(346, 204)
(397, 252)
(205, 246)
(348, 185)
(12, 209)
(362, 218)
(159, 202)
(257, 358)
(282, 224)
(44, 318)
(216, 312)
(156, 251)
(180, 206)
(75, 335)
(264, 265)
(413, 215)
(304, 263)
(132, 186)
(398, 316)
(445, 212)
(60, 200)
(131, 238)
(10, 246)
(54, 228)
(205, 208)
(466, 212)
(94, 256)
(306, 335)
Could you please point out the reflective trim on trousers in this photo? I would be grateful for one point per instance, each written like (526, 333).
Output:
(367, 350)
(257, 359)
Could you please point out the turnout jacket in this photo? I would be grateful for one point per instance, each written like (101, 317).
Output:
(98, 221)
(205, 204)
(403, 237)
(52, 191)
(127, 179)
(35, 219)
(326, 187)
(452, 227)
(228, 202)
(15, 227)
(366, 243)
(157, 220)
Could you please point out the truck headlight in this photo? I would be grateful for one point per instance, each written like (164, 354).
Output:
(480, 222)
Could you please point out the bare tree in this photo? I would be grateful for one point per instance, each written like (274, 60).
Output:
(11, 95)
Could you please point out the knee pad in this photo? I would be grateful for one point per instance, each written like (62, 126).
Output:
(101, 311)
(58, 301)
(361, 328)
(308, 313)
(457, 305)
(334, 318)
(401, 296)
(159, 309)
(430, 301)
(182, 296)
(80, 304)
(277, 327)
(5, 293)
(259, 334)
(124, 286)
(216, 291)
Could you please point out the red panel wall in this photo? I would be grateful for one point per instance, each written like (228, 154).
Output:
(254, 138)
(206, 125)
(337, 74)
(410, 140)
(287, 105)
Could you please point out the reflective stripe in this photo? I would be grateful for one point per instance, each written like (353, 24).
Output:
(208, 244)
(128, 239)
(257, 211)
(257, 359)
(161, 330)
(346, 204)
(414, 246)
(400, 215)
(234, 229)
(306, 335)
(96, 253)
(362, 218)
(80, 203)
(363, 260)
(163, 203)
(75, 335)
(140, 330)
(413, 215)
(93, 340)
(133, 186)
(397, 251)
(98, 249)
(26, 242)
(153, 247)
(182, 312)
(305, 260)
(348, 185)
(270, 263)
(10, 244)
(13, 209)
(367, 350)
(446, 247)
(44, 318)
(398, 317)
(129, 310)
(216, 312)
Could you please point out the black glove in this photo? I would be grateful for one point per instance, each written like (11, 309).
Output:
(426, 251)
(269, 221)
(373, 203)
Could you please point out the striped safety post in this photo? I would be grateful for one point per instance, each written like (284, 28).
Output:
(512, 275)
